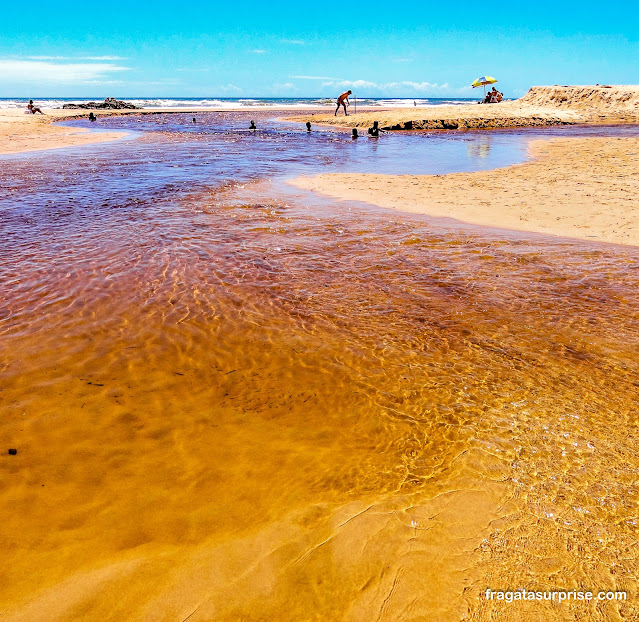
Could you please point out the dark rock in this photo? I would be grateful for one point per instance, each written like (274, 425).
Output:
(110, 103)
(13, 452)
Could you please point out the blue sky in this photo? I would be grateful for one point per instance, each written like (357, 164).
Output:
(409, 49)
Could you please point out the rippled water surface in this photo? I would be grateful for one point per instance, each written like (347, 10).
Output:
(235, 402)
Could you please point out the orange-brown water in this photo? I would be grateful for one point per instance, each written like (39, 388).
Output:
(286, 410)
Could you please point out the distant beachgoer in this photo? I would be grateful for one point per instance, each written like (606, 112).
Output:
(414, 103)
(308, 126)
(194, 121)
(32, 108)
(92, 117)
(374, 131)
(342, 100)
(493, 96)
(252, 126)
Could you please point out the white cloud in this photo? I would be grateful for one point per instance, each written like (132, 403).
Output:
(312, 78)
(230, 88)
(27, 71)
(426, 86)
(76, 58)
(258, 51)
(294, 41)
(355, 84)
(406, 85)
(103, 58)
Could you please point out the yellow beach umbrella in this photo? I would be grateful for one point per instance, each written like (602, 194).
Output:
(483, 81)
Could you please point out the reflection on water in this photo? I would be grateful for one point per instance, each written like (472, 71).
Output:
(269, 410)
(480, 148)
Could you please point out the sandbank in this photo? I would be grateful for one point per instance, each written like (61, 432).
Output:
(541, 106)
(21, 132)
(573, 187)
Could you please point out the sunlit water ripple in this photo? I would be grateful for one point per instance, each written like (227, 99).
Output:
(280, 408)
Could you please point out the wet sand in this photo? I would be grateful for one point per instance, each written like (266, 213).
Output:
(574, 187)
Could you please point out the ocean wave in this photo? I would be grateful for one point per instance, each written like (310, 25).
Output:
(229, 103)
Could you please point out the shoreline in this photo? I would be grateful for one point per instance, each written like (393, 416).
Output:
(583, 189)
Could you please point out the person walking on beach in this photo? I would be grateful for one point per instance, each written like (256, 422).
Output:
(342, 100)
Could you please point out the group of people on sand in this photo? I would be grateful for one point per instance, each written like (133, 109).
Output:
(493, 97)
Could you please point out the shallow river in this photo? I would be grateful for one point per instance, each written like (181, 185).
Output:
(234, 401)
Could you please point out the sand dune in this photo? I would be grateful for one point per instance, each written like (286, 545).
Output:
(591, 101)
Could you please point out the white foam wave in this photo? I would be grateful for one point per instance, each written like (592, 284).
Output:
(222, 103)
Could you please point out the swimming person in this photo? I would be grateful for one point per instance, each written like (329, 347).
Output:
(374, 131)
(92, 117)
(308, 126)
(355, 134)
(342, 100)
(252, 126)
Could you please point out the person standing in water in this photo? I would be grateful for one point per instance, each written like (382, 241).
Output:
(342, 100)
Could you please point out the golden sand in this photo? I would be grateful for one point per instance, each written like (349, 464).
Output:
(542, 105)
(26, 132)
(574, 187)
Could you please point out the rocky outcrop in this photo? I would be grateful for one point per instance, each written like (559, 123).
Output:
(477, 123)
(110, 103)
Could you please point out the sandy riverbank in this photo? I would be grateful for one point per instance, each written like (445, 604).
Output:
(557, 105)
(578, 188)
(24, 132)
